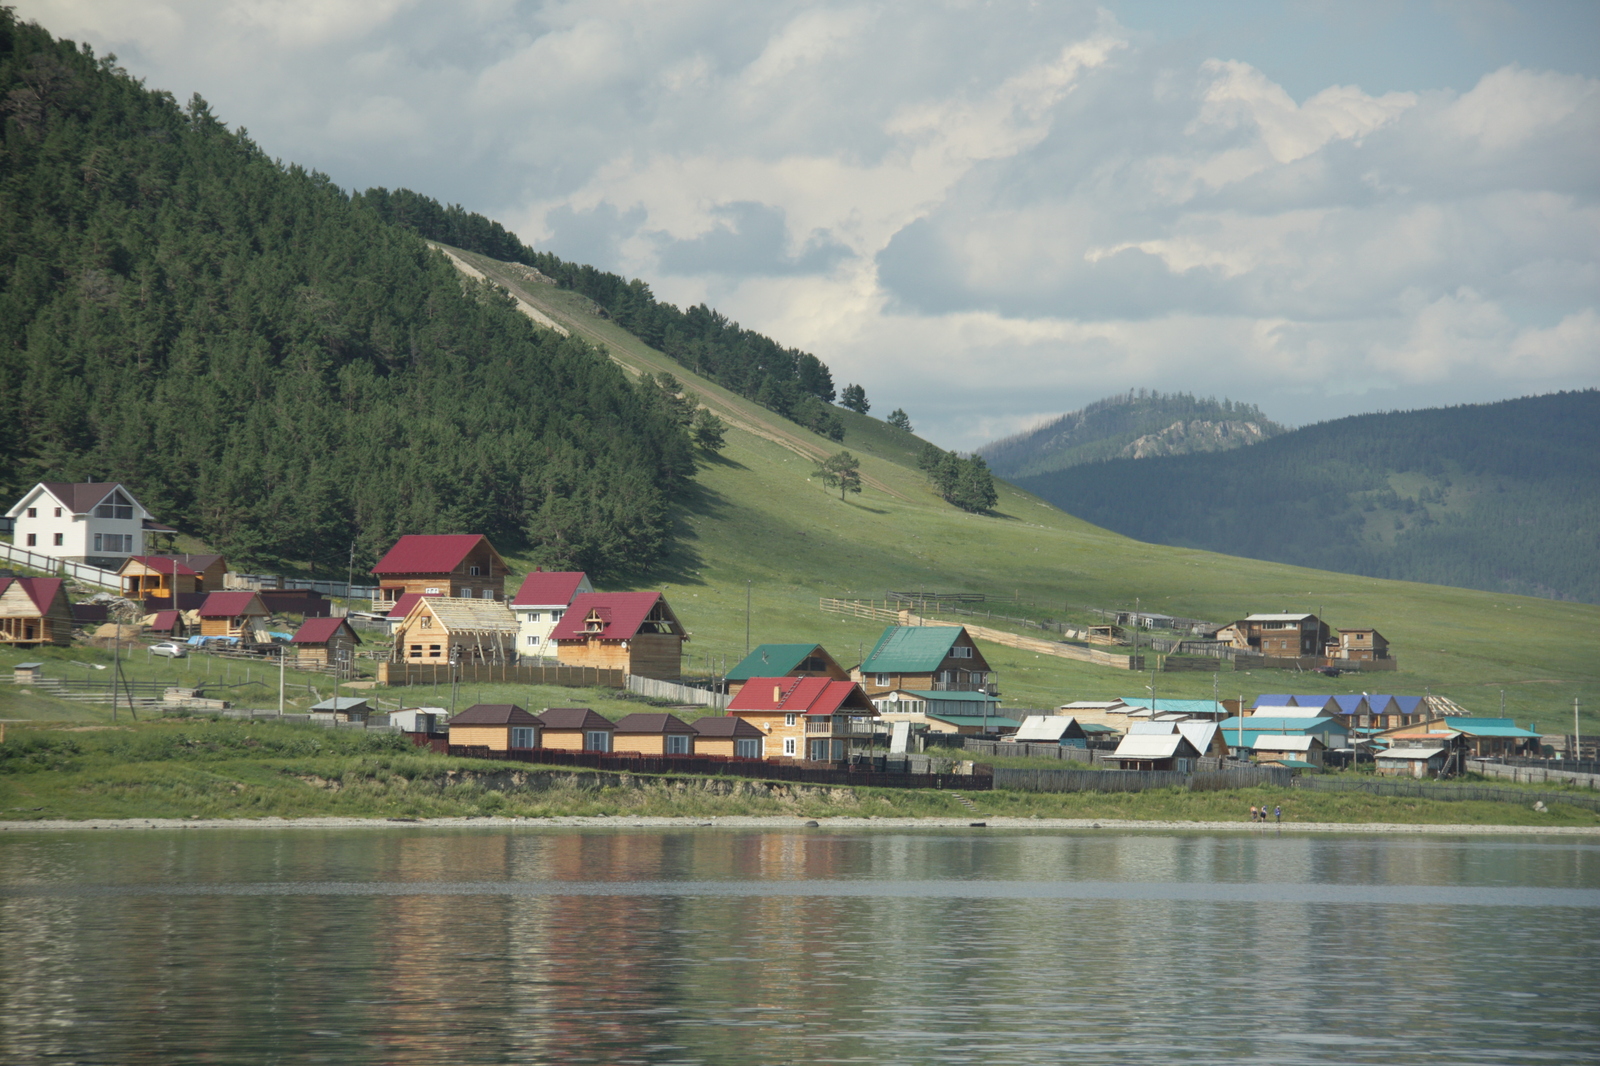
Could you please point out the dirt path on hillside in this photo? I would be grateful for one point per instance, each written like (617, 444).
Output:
(529, 303)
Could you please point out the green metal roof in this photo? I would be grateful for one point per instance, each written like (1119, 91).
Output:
(1166, 706)
(771, 660)
(1297, 764)
(910, 650)
(993, 721)
(952, 697)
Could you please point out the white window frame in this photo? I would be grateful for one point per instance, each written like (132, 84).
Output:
(533, 641)
(789, 745)
(960, 652)
(791, 720)
(880, 679)
(747, 747)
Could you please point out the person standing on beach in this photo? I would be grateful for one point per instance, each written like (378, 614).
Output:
(1252, 812)
(1277, 812)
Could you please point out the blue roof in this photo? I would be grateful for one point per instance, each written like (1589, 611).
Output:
(1349, 704)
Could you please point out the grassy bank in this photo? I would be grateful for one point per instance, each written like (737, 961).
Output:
(199, 768)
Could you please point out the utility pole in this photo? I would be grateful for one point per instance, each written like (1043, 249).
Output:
(747, 617)
(1577, 747)
(283, 650)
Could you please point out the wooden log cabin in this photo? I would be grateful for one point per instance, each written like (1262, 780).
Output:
(34, 610)
(635, 632)
(447, 629)
(322, 641)
(930, 658)
(457, 565)
(803, 718)
(232, 614)
(157, 576)
(653, 734)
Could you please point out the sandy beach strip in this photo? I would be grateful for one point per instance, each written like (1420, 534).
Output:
(790, 822)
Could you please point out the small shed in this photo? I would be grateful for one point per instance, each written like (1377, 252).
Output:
(653, 734)
(232, 614)
(342, 709)
(575, 729)
(27, 673)
(321, 641)
(1143, 751)
(496, 726)
(167, 624)
(1051, 729)
(1270, 749)
(729, 736)
(1410, 762)
(420, 719)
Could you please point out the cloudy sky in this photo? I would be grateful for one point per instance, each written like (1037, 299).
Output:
(985, 213)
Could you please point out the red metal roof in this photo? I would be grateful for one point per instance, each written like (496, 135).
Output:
(41, 590)
(622, 613)
(166, 621)
(542, 589)
(161, 564)
(801, 695)
(403, 605)
(321, 630)
(417, 553)
(229, 604)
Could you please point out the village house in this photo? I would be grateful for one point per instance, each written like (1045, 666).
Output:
(1297, 753)
(653, 734)
(575, 729)
(1358, 645)
(1050, 729)
(98, 522)
(34, 610)
(635, 632)
(1109, 714)
(728, 736)
(803, 718)
(925, 658)
(968, 713)
(1240, 733)
(156, 576)
(1146, 752)
(167, 624)
(1474, 738)
(342, 709)
(447, 629)
(1287, 636)
(458, 565)
(539, 604)
(496, 726)
(785, 660)
(232, 614)
(321, 642)
(1206, 736)
(1417, 762)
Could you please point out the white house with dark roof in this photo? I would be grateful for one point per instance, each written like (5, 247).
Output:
(539, 604)
(96, 522)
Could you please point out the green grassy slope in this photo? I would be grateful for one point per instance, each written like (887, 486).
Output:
(754, 516)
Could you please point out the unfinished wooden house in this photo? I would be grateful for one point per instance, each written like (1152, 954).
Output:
(447, 629)
(635, 632)
(232, 614)
(34, 610)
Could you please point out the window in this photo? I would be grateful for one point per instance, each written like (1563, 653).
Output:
(58, 512)
(473, 571)
(555, 616)
(118, 506)
(33, 540)
(597, 740)
(488, 594)
(427, 621)
(678, 744)
(960, 653)
(789, 744)
(58, 539)
(533, 616)
(533, 642)
(522, 736)
(416, 651)
(880, 679)
(33, 512)
(747, 748)
(433, 651)
(790, 719)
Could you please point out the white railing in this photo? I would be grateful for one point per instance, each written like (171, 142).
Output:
(89, 575)
(269, 582)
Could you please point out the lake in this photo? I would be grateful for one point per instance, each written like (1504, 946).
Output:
(717, 945)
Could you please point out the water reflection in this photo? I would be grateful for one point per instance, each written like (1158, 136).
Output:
(774, 946)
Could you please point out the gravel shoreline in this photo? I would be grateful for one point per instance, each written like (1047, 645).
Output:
(781, 822)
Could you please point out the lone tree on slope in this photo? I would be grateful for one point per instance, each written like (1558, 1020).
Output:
(841, 471)
(855, 398)
(900, 420)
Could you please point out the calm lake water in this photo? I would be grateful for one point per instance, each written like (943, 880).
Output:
(709, 945)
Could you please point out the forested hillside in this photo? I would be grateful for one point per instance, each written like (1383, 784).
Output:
(795, 384)
(270, 363)
(1503, 497)
(1134, 426)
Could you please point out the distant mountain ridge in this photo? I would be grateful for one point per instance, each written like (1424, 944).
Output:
(1138, 425)
(1503, 497)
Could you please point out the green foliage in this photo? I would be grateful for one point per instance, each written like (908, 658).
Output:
(855, 398)
(898, 419)
(795, 384)
(963, 481)
(1142, 423)
(1503, 497)
(708, 430)
(840, 471)
(273, 366)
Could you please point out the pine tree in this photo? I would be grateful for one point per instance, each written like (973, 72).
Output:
(842, 471)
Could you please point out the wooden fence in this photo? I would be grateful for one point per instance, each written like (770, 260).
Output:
(703, 765)
(1529, 772)
(1444, 791)
(1078, 653)
(671, 690)
(502, 673)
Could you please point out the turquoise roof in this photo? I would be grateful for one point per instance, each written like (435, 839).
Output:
(771, 660)
(1166, 706)
(953, 697)
(993, 721)
(910, 650)
(1489, 727)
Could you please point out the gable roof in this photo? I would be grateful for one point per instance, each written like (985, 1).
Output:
(573, 718)
(77, 497)
(801, 695)
(1256, 723)
(772, 660)
(1488, 727)
(1209, 708)
(729, 725)
(340, 703)
(1408, 753)
(1146, 746)
(1200, 734)
(621, 615)
(652, 723)
(321, 630)
(462, 615)
(491, 714)
(1048, 728)
(946, 697)
(402, 606)
(549, 588)
(419, 553)
(1271, 742)
(231, 605)
(161, 564)
(1277, 617)
(911, 649)
(165, 621)
(41, 590)
(991, 722)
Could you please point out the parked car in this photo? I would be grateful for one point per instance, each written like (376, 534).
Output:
(169, 649)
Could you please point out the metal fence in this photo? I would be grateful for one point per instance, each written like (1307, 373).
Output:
(1442, 791)
(753, 769)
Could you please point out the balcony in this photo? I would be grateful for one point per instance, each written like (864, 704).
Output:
(989, 688)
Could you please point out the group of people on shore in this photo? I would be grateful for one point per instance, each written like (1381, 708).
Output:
(1261, 814)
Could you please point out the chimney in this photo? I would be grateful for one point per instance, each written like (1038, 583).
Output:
(777, 693)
